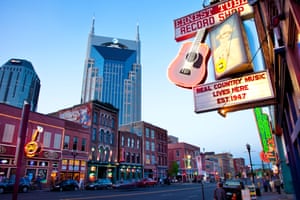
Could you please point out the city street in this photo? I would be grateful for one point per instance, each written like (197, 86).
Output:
(161, 192)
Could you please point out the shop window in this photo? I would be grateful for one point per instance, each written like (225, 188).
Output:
(4, 161)
(32, 163)
(64, 164)
(31, 174)
(43, 164)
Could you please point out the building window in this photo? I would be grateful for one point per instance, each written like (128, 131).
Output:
(111, 139)
(47, 139)
(138, 158)
(177, 153)
(147, 132)
(57, 140)
(152, 134)
(95, 118)
(147, 145)
(128, 142)
(147, 159)
(122, 141)
(133, 158)
(75, 142)
(128, 157)
(94, 134)
(8, 133)
(153, 159)
(138, 144)
(152, 146)
(66, 142)
(132, 143)
(83, 143)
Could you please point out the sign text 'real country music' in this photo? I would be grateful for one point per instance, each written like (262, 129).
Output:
(242, 90)
(186, 27)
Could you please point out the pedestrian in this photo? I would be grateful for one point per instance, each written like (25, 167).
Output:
(277, 184)
(38, 182)
(81, 184)
(219, 192)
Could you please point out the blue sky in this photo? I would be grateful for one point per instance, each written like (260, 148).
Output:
(52, 34)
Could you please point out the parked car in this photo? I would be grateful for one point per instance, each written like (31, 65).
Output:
(99, 184)
(7, 185)
(125, 184)
(233, 187)
(69, 184)
(146, 182)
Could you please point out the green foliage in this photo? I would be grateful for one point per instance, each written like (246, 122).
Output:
(173, 171)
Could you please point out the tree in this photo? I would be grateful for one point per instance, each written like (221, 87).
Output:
(174, 169)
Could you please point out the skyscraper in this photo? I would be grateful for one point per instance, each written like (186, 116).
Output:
(112, 74)
(18, 83)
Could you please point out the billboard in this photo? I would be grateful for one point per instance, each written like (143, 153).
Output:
(246, 89)
(187, 26)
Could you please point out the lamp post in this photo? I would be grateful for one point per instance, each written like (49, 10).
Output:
(249, 148)
(74, 154)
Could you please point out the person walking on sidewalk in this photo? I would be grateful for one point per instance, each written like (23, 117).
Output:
(219, 192)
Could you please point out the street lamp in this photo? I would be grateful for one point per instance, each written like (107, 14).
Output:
(249, 148)
(74, 154)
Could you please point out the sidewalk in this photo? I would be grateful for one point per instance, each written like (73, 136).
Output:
(275, 196)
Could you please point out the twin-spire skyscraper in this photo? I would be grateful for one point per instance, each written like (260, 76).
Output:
(112, 74)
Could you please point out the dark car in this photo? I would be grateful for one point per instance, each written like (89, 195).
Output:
(146, 182)
(69, 184)
(232, 187)
(7, 185)
(99, 184)
(126, 184)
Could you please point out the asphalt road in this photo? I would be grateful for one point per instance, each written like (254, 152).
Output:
(176, 191)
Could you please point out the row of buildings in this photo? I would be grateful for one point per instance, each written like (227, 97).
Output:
(93, 146)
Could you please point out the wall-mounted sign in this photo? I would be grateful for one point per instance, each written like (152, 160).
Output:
(187, 26)
(246, 89)
(81, 114)
(33, 147)
(230, 48)
(266, 137)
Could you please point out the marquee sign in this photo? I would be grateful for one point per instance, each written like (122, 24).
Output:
(246, 89)
(187, 26)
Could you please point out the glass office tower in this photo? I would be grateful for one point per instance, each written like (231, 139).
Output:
(112, 74)
(18, 83)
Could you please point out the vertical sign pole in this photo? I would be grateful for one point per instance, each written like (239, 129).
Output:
(20, 144)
